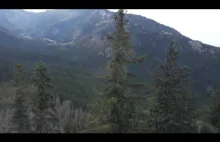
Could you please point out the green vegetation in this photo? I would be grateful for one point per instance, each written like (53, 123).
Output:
(62, 95)
(20, 119)
(45, 115)
(170, 111)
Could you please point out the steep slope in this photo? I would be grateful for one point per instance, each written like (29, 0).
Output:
(69, 25)
(9, 38)
(4, 20)
(12, 39)
(82, 33)
(88, 32)
(16, 20)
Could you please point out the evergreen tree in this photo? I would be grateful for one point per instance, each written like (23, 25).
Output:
(20, 119)
(45, 119)
(19, 75)
(214, 116)
(169, 108)
(117, 98)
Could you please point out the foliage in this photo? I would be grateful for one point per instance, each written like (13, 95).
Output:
(71, 120)
(213, 117)
(117, 101)
(45, 116)
(169, 111)
(20, 118)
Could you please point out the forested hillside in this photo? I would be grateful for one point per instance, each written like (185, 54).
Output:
(92, 71)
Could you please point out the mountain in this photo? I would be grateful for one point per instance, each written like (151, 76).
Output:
(80, 34)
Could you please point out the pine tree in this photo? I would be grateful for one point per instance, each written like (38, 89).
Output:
(20, 119)
(45, 118)
(117, 98)
(169, 108)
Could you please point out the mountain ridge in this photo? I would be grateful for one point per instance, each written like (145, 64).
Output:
(82, 33)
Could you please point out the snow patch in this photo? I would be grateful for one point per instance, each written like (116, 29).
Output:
(166, 33)
(26, 36)
(49, 40)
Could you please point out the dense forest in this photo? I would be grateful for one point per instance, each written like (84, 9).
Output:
(120, 102)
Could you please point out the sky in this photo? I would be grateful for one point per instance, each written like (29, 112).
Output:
(198, 24)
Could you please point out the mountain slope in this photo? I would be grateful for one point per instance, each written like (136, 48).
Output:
(82, 33)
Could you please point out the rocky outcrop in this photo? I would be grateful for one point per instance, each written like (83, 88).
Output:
(197, 46)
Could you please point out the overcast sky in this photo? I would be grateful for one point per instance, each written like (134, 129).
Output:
(202, 25)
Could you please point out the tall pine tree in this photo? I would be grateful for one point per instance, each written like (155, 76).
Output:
(169, 108)
(45, 119)
(117, 103)
(20, 121)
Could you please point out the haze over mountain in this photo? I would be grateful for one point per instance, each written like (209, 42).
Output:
(75, 36)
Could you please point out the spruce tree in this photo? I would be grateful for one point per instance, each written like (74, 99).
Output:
(169, 107)
(117, 99)
(20, 121)
(45, 119)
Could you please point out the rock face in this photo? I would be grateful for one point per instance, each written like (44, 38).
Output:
(197, 46)
(83, 33)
